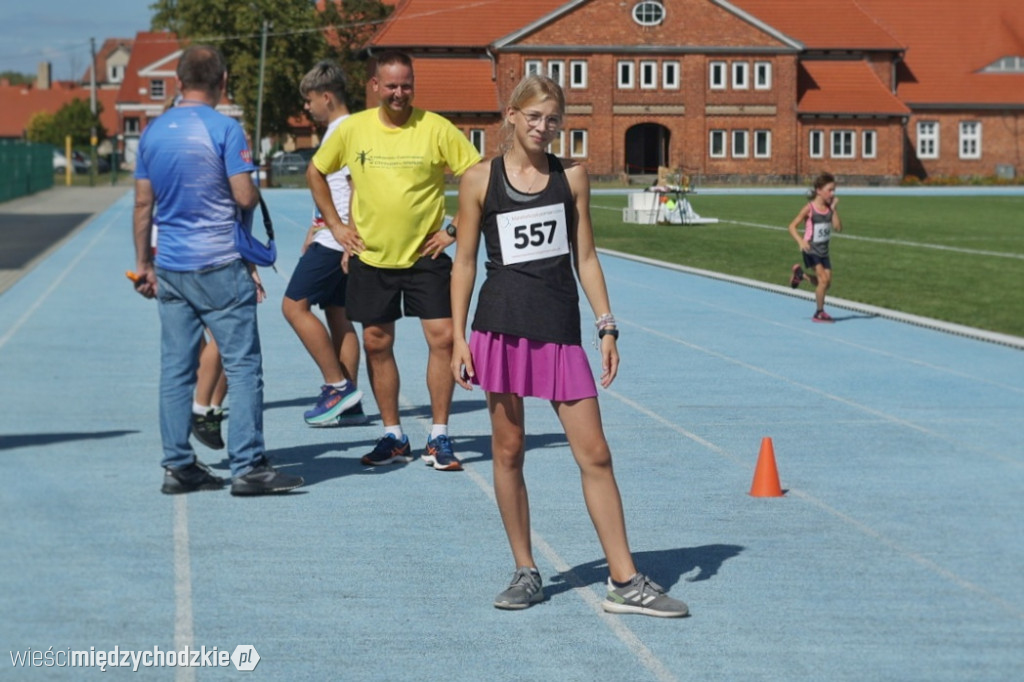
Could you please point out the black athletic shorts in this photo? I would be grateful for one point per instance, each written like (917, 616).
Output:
(380, 295)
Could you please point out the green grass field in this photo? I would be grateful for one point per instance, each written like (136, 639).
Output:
(958, 259)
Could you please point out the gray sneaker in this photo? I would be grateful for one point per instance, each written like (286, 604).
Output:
(643, 595)
(524, 591)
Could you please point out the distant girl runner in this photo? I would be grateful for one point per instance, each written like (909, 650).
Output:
(533, 211)
(819, 218)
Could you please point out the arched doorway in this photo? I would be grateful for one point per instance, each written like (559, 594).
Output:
(646, 148)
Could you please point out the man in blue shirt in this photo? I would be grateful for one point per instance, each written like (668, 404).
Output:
(195, 165)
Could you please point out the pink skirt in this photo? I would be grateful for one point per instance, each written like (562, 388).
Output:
(512, 364)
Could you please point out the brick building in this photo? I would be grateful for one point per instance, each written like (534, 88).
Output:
(747, 90)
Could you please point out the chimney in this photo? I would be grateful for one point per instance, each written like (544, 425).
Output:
(44, 76)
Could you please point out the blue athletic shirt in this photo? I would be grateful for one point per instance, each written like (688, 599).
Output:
(187, 154)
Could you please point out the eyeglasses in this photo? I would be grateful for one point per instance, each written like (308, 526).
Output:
(533, 119)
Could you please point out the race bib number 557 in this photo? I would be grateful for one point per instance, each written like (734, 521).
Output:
(533, 233)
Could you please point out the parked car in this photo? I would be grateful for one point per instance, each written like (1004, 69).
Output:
(79, 164)
(288, 163)
(102, 163)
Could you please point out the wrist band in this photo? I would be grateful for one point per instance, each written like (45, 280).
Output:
(606, 320)
(608, 331)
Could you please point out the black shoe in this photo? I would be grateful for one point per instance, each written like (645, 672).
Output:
(353, 416)
(206, 429)
(187, 479)
(263, 479)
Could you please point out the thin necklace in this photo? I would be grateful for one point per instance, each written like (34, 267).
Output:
(519, 174)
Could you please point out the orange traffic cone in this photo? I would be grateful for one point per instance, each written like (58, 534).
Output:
(766, 476)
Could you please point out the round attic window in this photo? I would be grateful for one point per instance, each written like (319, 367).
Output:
(648, 13)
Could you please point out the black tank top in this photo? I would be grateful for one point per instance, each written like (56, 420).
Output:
(530, 290)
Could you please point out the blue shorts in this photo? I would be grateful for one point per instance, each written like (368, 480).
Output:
(813, 259)
(319, 278)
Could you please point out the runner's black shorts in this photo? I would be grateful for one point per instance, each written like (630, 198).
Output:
(381, 295)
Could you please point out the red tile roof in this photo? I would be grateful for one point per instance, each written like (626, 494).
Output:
(19, 103)
(459, 23)
(950, 42)
(844, 87)
(105, 50)
(832, 25)
(150, 49)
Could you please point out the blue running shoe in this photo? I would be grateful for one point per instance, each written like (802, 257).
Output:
(389, 450)
(439, 454)
(331, 403)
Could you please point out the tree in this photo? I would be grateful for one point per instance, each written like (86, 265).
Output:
(348, 30)
(15, 78)
(40, 128)
(74, 118)
(295, 41)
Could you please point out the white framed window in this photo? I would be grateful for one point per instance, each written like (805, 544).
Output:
(648, 75)
(648, 12)
(578, 144)
(477, 139)
(131, 125)
(557, 145)
(156, 88)
(740, 75)
(716, 144)
(762, 144)
(578, 73)
(115, 73)
(970, 139)
(927, 139)
(626, 73)
(869, 144)
(816, 146)
(762, 75)
(556, 71)
(716, 75)
(533, 67)
(739, 144)
(843, 144)
(670, 75)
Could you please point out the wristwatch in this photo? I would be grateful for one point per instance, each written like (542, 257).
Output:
(608, 331)
(449, 227)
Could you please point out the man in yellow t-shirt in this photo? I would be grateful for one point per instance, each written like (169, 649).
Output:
(397, 156)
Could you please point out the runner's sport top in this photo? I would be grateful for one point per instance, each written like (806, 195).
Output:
(530, 290)
(818, 230)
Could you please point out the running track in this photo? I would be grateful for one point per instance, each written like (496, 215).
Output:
(895, 554)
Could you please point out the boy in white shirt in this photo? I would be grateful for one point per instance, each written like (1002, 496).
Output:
(319, 279)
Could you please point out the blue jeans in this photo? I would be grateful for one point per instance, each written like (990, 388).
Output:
(223, 299)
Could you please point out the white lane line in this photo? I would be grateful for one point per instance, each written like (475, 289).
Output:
(632, 642)
(859, 525)
(893, 242)
(1010, 459)
(183, 628)
(54, 285)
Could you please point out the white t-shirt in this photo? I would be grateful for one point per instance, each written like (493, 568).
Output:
(341, 192)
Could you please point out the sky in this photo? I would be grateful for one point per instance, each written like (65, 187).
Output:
(58, 31)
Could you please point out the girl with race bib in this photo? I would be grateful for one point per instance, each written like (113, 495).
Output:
(532, 209)
(818, 218)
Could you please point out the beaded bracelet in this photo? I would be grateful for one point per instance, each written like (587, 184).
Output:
(606, 320)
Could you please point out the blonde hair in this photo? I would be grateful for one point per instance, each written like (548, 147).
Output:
(533, 88)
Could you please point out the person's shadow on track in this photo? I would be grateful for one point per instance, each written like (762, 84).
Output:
(478, 448)
(664, 567)
(318, 462)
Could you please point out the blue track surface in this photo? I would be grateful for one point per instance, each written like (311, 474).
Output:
(896, 553)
